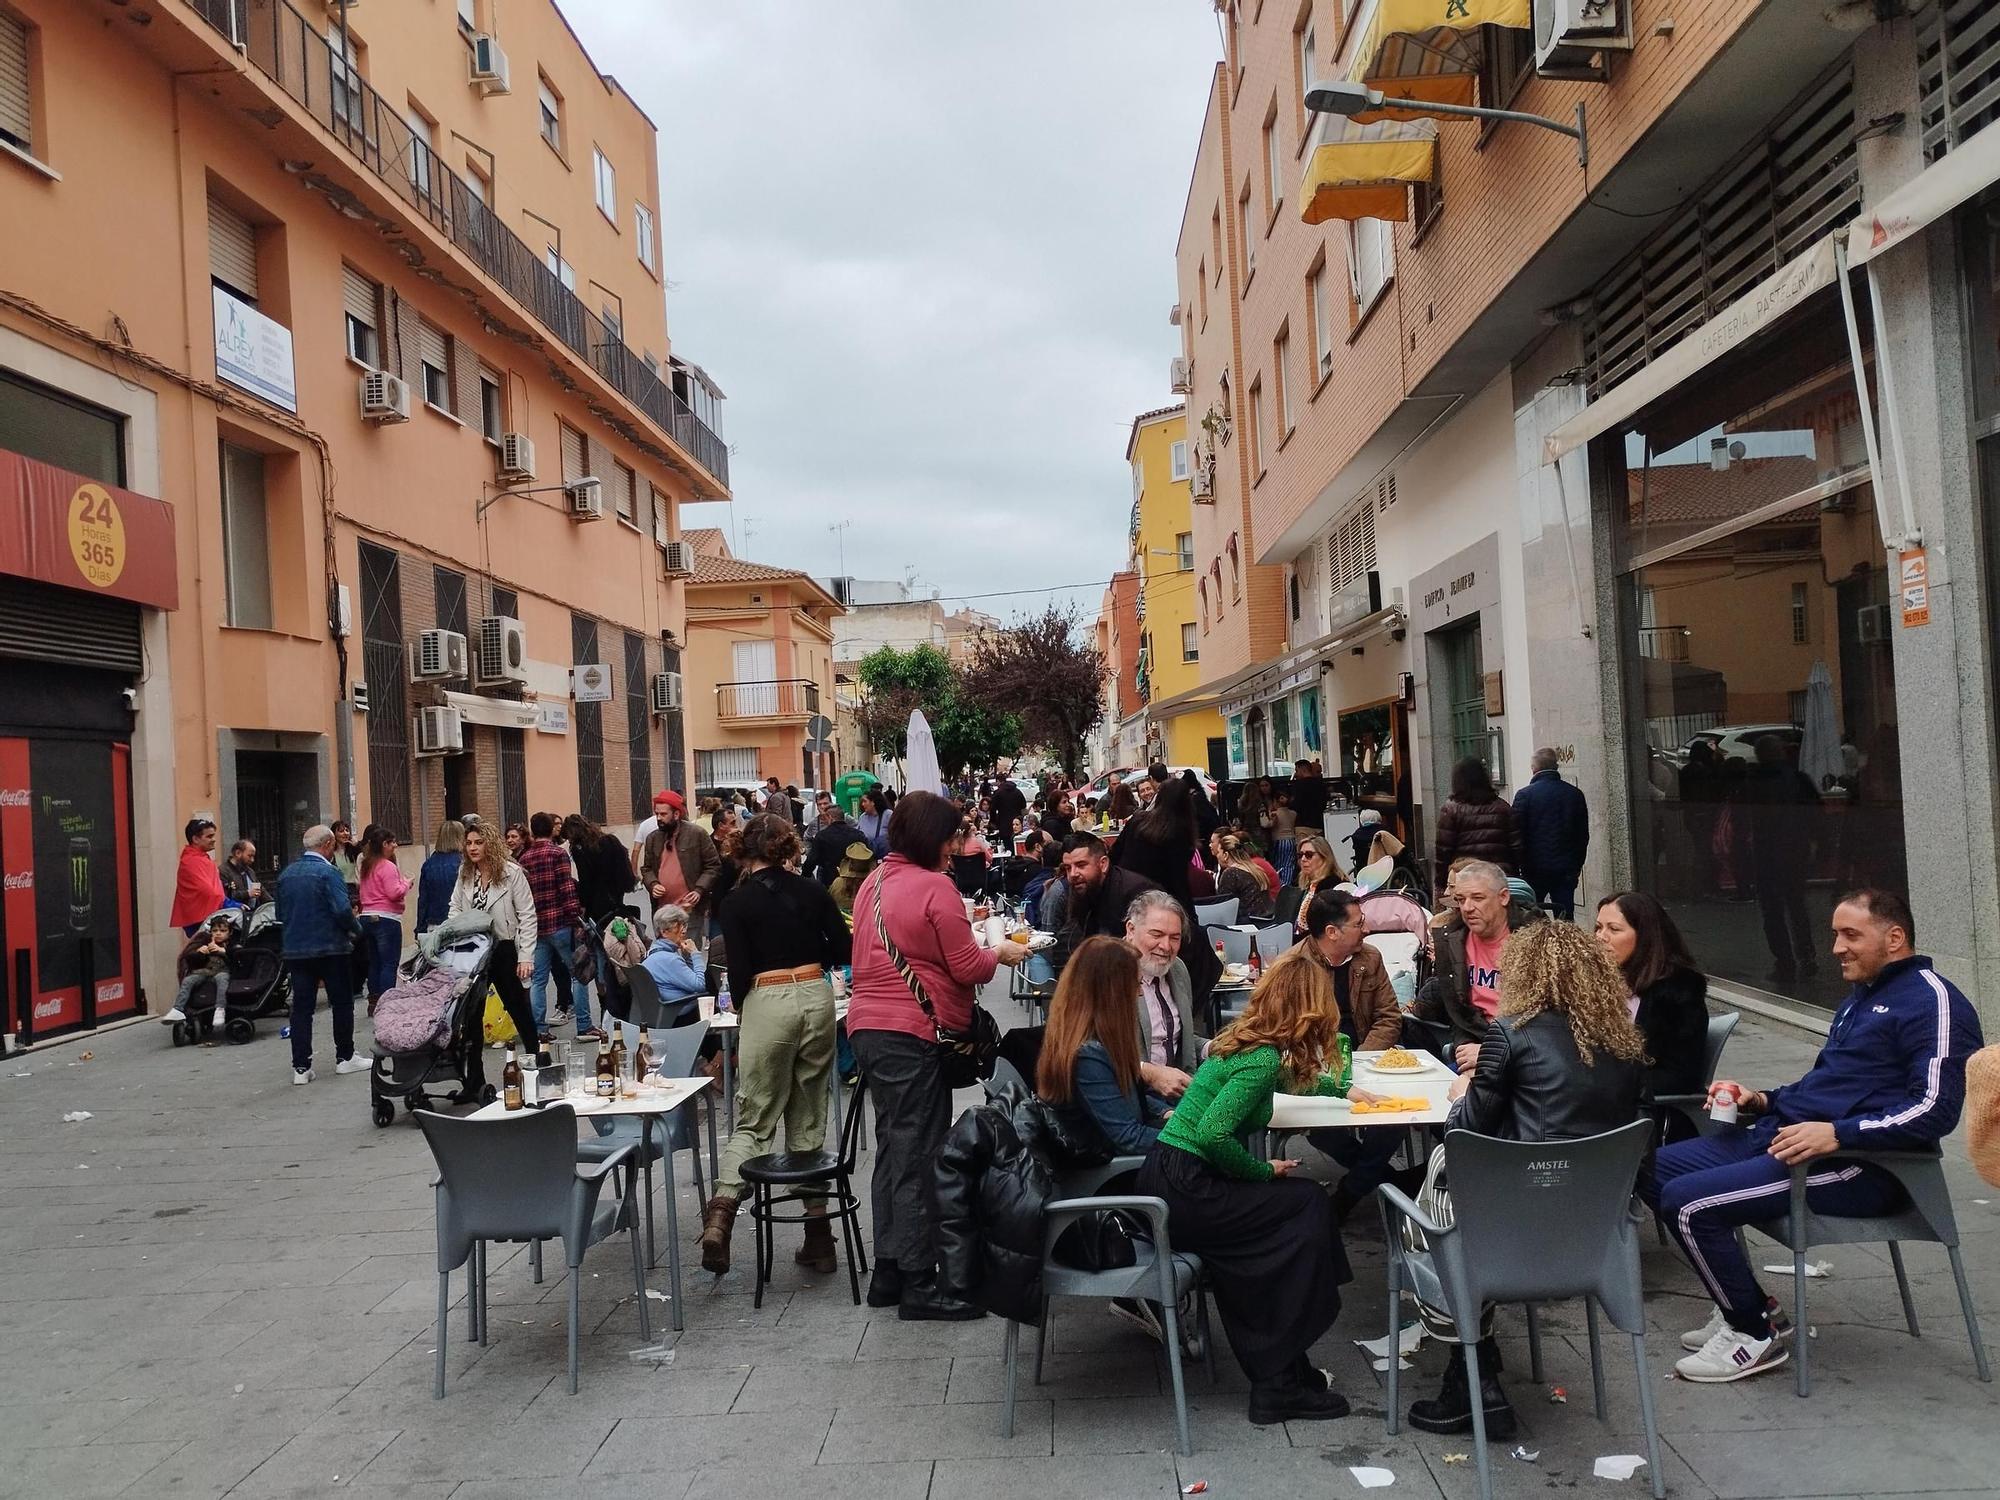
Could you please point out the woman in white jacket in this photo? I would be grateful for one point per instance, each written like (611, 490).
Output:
(489, 881)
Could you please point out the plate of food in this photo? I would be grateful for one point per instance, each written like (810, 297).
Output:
(1401, 1061)
(1034, 942)
(1235, 974)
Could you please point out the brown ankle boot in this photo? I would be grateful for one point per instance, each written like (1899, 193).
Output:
(818, 1253)
(718, 1221)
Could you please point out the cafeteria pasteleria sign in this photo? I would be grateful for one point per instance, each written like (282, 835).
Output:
(72, 531)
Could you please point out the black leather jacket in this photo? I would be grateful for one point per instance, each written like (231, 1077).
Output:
(1531, 1085)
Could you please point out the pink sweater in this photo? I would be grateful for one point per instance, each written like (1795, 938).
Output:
(926, 920)
(383, 889)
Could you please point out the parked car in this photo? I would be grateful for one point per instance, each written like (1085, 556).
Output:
(1100, 786)
(1739, 741)
(1207, 781)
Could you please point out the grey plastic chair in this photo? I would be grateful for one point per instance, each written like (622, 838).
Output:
(652, 1138)
(1273, 942)
(1691, 1106)
(1236, 945)
(1159, 1275)
(1005, 1076)
(518, 1179)
(1216, 913)
(643, 1004)
(1533, 1221)
(797, 1171)
(1927, 1220)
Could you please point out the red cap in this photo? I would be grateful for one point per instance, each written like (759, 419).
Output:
(670, 799)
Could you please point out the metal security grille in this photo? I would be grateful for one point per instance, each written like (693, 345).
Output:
(449, 587)
(670, 661)
(638, 726)
(513, 775)
(1787, 189)
(589, 726)
(44, 623)
(1958, 72)
(383, 668)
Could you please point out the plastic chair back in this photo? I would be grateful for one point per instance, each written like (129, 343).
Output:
(1005, 1077)
(1273, 942)
(646, 1006)
(501, 1179)
(1541, 1221)
(1236, 945)
(1720, 1028)
(1216, 913)
(680, 1050)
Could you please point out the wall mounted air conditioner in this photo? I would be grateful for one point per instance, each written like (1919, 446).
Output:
(1571, 35)
(440, 731)
(503, 652)
(441, 656)
(517, 457)
(384, 398)
(586, 499)
(1871, 624)
(666, 692)
(1180, 376)
(678, 559)
(489, 65)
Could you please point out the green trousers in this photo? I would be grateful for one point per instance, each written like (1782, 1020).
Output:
(784, 1057)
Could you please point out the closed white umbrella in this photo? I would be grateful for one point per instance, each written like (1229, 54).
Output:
(920, 762)
(1819, 747)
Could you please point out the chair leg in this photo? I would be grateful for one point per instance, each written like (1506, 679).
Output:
(1470, 1353)
(535, 1259)
(639, 1282)
(652, 1245)
(1207, 1333)
(1169, 1305)
(1971, 1315)
(1801, 1330)
(1393, 1415)
(1903, 1286)
(573, 1290)
(1646, 1416)
(848, 1237)
(1596, 1354)
(1010, 1346)
(472, 1295)
(1534, 1346)
(760, 1206)
(1041, 1340)
(443, 1337)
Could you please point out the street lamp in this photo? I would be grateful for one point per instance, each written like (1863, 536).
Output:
(1344, 98)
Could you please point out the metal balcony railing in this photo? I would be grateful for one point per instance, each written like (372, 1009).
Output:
(782, 698)
(287, 49)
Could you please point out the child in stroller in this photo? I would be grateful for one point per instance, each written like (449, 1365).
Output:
(251, 983)
(204, 965)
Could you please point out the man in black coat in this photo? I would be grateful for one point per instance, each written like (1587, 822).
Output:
(1099, 894)
(829, 840)
(1009, 803)
(1553, 821)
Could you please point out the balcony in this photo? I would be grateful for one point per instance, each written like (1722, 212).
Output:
(779, 701)
(292, 53)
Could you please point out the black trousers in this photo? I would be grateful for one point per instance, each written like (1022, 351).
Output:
(513, 994)
(912, 1113)
(1365, 1153)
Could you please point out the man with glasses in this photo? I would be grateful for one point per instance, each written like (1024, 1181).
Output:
(827, 844)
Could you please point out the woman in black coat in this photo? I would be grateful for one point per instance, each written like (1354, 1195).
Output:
(1669, 994)
(603, 868)
(1476, 822)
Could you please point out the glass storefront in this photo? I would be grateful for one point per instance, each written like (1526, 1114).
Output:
(1755, 629)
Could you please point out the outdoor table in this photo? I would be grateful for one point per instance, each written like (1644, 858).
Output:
(1296, 1112)
(726, 1024)
(650, 1104)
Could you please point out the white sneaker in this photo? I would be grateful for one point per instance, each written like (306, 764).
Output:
(355, 1064)
(172, 1016)
(218, 1018)
(302, 1075)
(1694, 1342)
(1731, 1355)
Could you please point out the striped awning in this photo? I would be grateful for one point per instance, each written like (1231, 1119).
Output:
(1364, 171)
(1428, 51)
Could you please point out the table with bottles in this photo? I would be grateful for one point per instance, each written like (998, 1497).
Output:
(727, 1023)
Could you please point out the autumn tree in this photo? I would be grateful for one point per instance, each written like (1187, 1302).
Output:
(967, 730)
(1040, 669)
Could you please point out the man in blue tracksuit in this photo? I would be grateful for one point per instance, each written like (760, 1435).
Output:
(1890, 1078)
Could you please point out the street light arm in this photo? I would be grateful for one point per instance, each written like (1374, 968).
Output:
(1349, 99)
(490, 501)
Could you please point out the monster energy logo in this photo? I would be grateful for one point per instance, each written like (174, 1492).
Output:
(1456, 8)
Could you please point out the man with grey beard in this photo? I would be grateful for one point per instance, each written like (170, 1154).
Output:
(1170, 1050)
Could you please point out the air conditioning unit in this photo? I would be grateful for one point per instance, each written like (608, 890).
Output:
(440, 656)
(1180, 376)
(1871, 624)
(503, 652)
(440, 731)
(517, 457)
(384, 398)
(586, 499)
(357, 695)
(1570, 35)
(489, 65)
(1203, 480)
(679, 559)
(666, 692)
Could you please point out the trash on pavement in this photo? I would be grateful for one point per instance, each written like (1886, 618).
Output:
(1524, 1454)
(1373, 1479)
(76, 1117)
(1408, 1338)
(1454, 1458)
(1814, 1269)
(1558, 1396)
(1618, 1466)
(1199, 1487)
(651, 1354)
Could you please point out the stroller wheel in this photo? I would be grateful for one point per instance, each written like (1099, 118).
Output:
(239, 1029)
(180, 1033)
(414, 1102)
(385, 1114)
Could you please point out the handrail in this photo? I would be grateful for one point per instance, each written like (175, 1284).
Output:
(293, 54)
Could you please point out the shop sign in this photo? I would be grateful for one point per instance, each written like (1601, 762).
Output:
(1916, 585)
(552, 718)
(72, 531)
(590, 683)
(254, 353)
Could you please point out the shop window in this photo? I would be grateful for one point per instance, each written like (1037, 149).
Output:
(246, 540)
(713, 768)
(43, 423)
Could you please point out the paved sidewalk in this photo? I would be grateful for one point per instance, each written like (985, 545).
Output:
(220, 1284)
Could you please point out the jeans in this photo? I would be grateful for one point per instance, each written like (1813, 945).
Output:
(784, 1055)
(308, 974)
(551, 949)
(382, 938)
(1556, 891)
(1285, 855)
(912, 1113)
(185, 1002)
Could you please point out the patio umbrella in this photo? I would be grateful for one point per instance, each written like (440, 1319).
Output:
(920, 762)
(1819, 748)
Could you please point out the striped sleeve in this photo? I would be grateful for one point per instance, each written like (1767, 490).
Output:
(1936, 1044)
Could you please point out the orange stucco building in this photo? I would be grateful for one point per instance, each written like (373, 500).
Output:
(357, 329)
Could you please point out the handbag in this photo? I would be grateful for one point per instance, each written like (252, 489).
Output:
(1100, 1241)
(966, 1057)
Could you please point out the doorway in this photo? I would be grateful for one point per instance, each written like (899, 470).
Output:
(1218, 758)
(277, 797)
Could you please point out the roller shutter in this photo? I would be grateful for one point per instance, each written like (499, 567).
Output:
(232, 249)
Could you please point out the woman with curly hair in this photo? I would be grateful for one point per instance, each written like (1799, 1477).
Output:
(1560, 1061)
(1267, 1237)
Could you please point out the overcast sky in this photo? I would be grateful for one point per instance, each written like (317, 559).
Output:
(927, 250)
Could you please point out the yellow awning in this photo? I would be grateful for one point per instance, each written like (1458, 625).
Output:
(1364, 171)
(1428, 51)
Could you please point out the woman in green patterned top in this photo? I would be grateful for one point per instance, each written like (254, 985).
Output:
(1267, 1238)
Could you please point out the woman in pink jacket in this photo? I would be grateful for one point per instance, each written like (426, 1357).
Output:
(383, 890)
(913, 900)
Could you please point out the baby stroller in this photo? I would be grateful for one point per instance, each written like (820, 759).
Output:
(1399, 929)
(254, 985)
(430, 1027)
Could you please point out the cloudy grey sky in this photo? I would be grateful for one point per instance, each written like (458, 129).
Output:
(927, 249)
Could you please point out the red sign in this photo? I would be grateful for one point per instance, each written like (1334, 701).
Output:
(70, 530)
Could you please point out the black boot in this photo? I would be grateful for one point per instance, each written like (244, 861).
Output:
(885, 1285)
(1451, 1411)
(924, 1301)
(1288, 1398)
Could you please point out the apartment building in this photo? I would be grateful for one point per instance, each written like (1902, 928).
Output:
(337, 398)
(1659, 453)
(760, 653)
(1121, 638)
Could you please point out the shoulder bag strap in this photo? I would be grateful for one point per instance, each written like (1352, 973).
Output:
(902, 964)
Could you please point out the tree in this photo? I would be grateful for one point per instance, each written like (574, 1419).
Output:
(1040, 669)
(968, 730)
(969, 733)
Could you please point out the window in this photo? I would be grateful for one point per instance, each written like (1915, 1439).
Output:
(1235, 570)
(1138, 484)
(1305, 58)
(661, 508)
(1506, 61)
(1370, 260)
(551, 105)
(1798, 614)
(587, 719)
(1319, 303)
(1274, 190)
(479, 183)
(1281, 366)
(614, 320)
(1201, 289)
(1215, 239)
(1201, 586)
(622, 483)
(1245, 255)
(1427, 198)
(1257, 427)
(570, 443)
(1184, 550)
(1190, 646)
(638, 728)
(55, 427)
(607, 185)
(423, 153)
(467, 19)
(349, 106)
(232, 251)
(564, 271)
(1215, 572)
(385, 667)
(642, 231)
(361, 302)
(17, 112)
(492, 405)
(1179, 459)
(725, 767)
(246, 540)
(434, 357)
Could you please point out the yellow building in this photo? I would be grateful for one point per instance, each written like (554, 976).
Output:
(1163, 558)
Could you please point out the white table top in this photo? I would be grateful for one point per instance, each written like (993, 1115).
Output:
(670, 1095)
(1307, 1112)
(733, 1019)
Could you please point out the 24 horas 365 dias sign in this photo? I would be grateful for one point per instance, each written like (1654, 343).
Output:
(77, 533)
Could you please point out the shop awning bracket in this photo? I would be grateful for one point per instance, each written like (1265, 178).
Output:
(1911, 534)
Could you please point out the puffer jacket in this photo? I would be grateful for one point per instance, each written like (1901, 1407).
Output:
(1477, 830)
(995, 1176)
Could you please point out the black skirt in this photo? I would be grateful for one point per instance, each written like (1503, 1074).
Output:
(1272, 1251)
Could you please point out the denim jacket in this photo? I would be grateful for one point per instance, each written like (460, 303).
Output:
(313, 905)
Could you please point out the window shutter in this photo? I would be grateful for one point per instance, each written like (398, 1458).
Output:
(621, 485)
(465, 383)
(572, 455)
(404, 320)
(659, 515)
(431, 346)
(232, 248)
(17, 121)
(360, 298)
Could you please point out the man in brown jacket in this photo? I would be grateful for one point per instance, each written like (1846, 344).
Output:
(686, 880)
(1369, 1015)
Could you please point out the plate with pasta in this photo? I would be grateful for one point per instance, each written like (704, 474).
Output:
(1401, 1062)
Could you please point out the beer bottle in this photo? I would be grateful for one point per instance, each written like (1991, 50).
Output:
(1256, 964)
(607, 1072)
(642, 1060)
(619, 1058)
(510, 1079)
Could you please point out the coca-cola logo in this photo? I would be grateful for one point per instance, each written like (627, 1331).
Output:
(49, 1007)
(20, 880)
(14, 797)
(111, 992)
